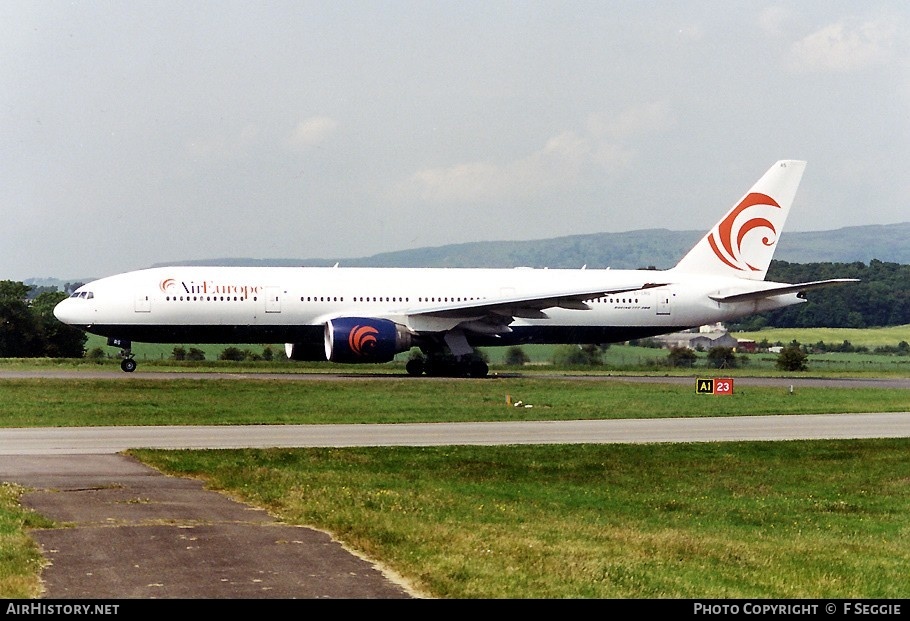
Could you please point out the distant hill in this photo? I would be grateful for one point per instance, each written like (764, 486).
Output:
(659, 248)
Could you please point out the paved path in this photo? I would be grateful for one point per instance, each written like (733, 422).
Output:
(128, 531)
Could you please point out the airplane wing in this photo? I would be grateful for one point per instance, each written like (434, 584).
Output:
(780, 289)
(493, 315)
(529, 305)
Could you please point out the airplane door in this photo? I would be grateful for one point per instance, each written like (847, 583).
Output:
(143, 304)
(663, 302)
(273, 299)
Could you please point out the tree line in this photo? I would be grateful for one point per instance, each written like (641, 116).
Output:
(881, 298)
(28, 328)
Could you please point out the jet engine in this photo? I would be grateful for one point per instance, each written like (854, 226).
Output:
(362, 339)
(305, 352)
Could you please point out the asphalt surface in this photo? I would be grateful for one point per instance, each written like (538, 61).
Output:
(111, 440)
(127, 531)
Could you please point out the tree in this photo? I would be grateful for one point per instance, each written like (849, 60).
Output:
(681, 357)
(28, 329)
(178, 353)
(879, 299)
(35, 291)
(516, 356)
(95, 353)
(232, 353)
(722, 358)
(575, 355)
(58, 340)
(792, 358)
(19, 336)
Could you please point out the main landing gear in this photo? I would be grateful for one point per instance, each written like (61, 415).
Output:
(446, 365)
(128, 364)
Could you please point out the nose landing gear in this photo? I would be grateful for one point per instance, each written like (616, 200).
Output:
(128, 364)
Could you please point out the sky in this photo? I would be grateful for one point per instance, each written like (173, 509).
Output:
(143, 132)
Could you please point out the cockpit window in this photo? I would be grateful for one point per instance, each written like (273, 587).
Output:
(88, 295)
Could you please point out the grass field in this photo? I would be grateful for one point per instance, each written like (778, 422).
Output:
(801, 519)
(20, 559)
(817, 519)
(866, 337)
(137, 401)
(619, 355)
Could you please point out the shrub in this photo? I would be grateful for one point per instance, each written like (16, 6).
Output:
(95, 353)
(575, 355)
(516, 356)
(681, 357)
(232, 353)
(792, 358)
(722, 358)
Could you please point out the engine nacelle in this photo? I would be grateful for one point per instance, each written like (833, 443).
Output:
(364, 339)
(305, 352)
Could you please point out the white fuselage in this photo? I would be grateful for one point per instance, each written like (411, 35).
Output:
(267, 305)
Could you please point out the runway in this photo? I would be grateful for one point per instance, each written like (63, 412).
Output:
(110, 440)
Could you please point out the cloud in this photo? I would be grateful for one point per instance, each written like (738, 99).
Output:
(224, 147)
(773, 20)
(691, 33)
(560, 162)
(311, 132)
(633, 121)
(844, 46)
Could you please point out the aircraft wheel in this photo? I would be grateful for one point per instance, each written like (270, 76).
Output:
(128, 365)
(478, 368)
(414, 367)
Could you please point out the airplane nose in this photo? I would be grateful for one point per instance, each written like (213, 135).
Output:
(69, 312)
(60, 311)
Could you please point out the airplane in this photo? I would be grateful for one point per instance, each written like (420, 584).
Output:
(369, 315)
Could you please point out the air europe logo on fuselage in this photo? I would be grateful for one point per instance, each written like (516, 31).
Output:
(208, 287)
(727, 239)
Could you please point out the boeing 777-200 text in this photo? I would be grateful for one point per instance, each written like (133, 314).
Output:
(368, 315)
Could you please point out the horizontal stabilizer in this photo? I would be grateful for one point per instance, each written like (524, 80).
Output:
(780, 289)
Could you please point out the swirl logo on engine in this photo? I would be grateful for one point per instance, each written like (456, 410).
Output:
(362, 337)
(726, 241)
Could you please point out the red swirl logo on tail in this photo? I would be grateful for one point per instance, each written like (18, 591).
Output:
(362, 337)
(726, 241)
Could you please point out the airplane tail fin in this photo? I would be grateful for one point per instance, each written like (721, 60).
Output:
(743, 242)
